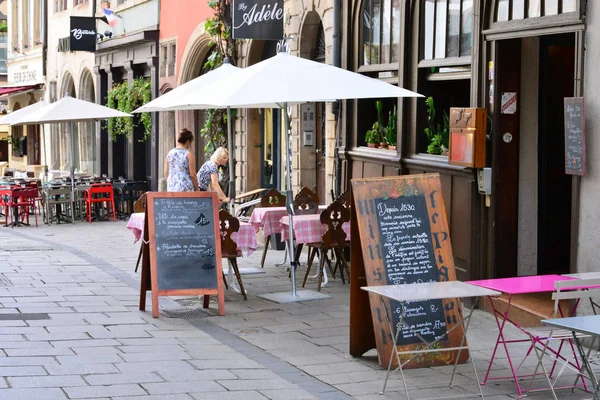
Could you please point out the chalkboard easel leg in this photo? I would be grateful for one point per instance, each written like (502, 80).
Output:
(206, 301)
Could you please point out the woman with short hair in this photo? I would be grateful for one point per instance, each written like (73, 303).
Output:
(180, 165)
(208, 174)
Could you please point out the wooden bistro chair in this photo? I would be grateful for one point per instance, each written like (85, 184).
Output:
(271, 199)
(139, 206)
(228, 225)
(306, 202)
(333, 239)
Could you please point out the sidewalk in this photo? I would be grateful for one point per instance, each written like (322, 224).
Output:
(86, 338)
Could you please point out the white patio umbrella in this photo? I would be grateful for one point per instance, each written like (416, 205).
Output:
(225, 71)
(16, 116)
(279, 82)
(70, 110)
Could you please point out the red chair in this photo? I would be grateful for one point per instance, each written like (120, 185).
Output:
(22, 200)
(99, 193)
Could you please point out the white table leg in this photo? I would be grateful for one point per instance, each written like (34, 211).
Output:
(232, 283)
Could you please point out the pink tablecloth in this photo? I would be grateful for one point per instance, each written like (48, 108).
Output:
(308, 228)
(245, 237)
(268, 218)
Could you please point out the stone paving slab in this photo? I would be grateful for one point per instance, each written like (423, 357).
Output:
(97, 344)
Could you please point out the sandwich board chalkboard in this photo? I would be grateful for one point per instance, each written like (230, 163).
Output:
(575, 162)
(400, 236)
(184, 247)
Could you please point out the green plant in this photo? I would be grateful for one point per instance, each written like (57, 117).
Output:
(391, 133)
(12, 142)
(438, 137)
(372, 136)
(127, 97)
(3, 26)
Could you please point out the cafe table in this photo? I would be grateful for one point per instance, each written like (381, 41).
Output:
(429, 291)
(511, 287)
(587, 325)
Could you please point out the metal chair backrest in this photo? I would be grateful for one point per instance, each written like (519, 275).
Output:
(577, 289)
(101, 188)
(59, 195)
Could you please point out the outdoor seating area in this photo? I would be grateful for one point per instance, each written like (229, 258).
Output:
(88, 198)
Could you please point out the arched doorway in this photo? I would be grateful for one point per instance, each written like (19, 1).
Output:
(68, 140)
(87, 130)
(313, 115)
(33, 141)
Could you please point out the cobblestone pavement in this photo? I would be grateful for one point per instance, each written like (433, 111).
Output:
(84, 337)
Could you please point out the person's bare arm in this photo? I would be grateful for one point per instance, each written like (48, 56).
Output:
(192, 167)
(166, 169)
(214, 183)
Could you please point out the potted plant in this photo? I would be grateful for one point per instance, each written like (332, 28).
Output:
(382, 143)
(438, 137)
(372, 136)
(391, 133)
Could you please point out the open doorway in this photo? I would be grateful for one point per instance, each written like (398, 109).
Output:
(532, 208)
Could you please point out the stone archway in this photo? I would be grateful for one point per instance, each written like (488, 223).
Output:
(87, 130)
(65, 142)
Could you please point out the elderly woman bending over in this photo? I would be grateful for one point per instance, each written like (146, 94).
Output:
(208, 174)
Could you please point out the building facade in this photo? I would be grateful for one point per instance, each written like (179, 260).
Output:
(26, 78)
(70, 73)
(468, 53)
(128, 51)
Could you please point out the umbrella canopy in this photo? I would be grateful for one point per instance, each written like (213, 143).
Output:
(69, 109)
(17, 115)
(287, 80)
(225, 71)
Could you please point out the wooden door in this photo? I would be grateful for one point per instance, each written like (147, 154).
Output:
(33, 145)
(3, 150)
(506, 159)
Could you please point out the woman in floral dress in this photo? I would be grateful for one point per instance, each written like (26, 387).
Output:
(180, 166)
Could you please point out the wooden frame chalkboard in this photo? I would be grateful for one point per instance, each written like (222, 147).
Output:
(575, 149)
(184, 247)
(400, 235)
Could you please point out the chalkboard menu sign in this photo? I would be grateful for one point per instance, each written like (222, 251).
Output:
(400, 235)
(185, 246)
(575, 162)
(409, 257)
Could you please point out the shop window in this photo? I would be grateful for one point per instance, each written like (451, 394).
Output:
(163, 61)
(25, 25)
(171, 60)
(381, 31)
(38, 22)
(60, 5)
(78, 2)
(508, 10)
(447, 29)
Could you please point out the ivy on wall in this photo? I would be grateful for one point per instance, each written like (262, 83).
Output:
(127, 97)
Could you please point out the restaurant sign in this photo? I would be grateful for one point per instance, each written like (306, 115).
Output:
(258, 19)
(25, 72)
(82, 35)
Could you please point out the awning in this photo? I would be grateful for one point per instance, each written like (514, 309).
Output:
(16, 89)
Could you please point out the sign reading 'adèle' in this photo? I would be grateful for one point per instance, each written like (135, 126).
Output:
(82, 35)
(258, 19)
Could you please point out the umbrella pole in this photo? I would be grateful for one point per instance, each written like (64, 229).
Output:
(72, 172)
(45, 154)
(231, 162)
(289, 198)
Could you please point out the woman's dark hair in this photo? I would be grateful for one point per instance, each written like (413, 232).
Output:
(185, 135)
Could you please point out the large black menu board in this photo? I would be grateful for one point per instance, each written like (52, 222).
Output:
(185, 245)
(400, 235)
(409, 257)
(575, 162)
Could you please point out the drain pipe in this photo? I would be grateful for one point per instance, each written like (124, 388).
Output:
(336, 108)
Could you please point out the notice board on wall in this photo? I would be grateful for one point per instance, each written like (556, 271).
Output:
(184, 246)
(400, 235)
(575, 161)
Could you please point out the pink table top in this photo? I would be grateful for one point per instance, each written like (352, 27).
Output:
(308, 228)
(245, 237)
(522, 284)
(268, 218)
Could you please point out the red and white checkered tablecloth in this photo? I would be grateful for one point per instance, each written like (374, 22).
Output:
(245, 237)
(268, 218)
(308, 228)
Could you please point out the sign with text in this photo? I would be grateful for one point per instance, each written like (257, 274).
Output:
(403, 237)
(82, 34)
(185, 246)
(258, 19)
(575, 162)
(26, 72)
